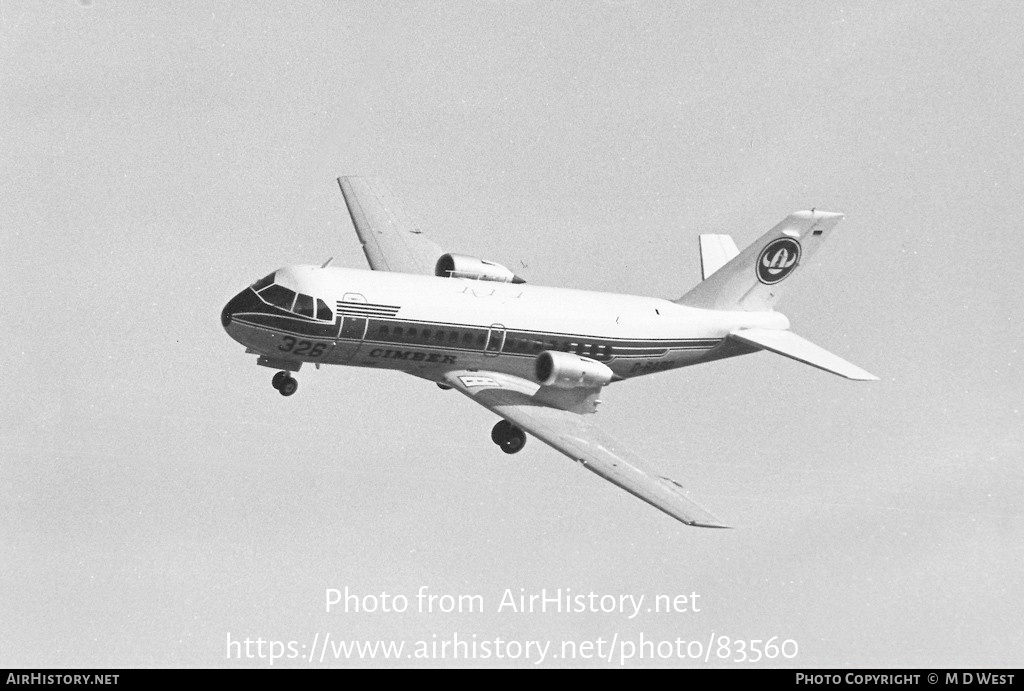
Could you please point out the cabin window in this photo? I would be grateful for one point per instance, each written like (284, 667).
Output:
(323, 311)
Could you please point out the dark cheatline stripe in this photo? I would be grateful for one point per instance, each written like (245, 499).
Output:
(288, 325)
(600, 348)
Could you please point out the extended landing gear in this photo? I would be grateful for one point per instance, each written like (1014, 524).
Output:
(510, 438)
(285, 383)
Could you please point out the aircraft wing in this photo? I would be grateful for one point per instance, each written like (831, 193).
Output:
(524, 404)
(390, 241)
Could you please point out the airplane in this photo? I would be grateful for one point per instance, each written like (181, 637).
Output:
(538, 357)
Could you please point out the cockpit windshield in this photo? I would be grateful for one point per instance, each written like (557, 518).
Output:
(278, 296)
(287, 299)
(263, 282)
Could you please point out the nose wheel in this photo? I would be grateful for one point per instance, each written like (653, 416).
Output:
(285, 383)
(510, 438)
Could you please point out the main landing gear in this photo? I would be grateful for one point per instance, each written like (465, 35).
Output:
(510, 438)
(285, 383)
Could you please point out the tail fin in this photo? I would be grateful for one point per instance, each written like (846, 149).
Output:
(753, 280)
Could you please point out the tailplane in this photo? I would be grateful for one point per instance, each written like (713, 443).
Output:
(753, 279)
(792, 346)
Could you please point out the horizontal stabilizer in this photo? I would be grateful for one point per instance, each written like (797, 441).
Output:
(792, 346)
(715, 252)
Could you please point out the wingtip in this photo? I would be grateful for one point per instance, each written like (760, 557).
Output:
(342, 179)
(818, 214)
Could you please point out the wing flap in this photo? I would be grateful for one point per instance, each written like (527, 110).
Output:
(391, 242)
(800, 349)
(578, 438)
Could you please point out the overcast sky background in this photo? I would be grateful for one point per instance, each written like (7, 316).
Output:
(157, 494)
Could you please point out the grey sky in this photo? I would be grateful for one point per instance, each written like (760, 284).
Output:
(157, 494)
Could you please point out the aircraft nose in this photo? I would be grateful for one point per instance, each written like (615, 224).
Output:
(235, 304)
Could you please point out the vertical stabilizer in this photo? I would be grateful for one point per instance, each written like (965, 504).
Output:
(753, 280)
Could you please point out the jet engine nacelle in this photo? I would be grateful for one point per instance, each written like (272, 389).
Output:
(461, 266)
(569, 371)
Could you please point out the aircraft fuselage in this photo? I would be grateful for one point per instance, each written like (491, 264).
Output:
(422, 324)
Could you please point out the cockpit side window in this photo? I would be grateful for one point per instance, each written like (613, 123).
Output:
(322, 310)
(304, 305)
(279, 296)
(263, 282)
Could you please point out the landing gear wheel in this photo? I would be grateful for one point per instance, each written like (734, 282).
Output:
(289, 385)
(501, 431)
(515, 442)
(510, 438)
(278, 380)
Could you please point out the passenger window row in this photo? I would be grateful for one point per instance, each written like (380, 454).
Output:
(467, 337)
(412, 333)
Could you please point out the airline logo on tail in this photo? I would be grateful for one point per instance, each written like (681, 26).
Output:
(777, 260)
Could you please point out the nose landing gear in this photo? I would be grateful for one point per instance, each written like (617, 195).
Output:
(285, 383)
(510, 438)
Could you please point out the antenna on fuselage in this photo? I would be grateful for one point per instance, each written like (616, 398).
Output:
(324, 265)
